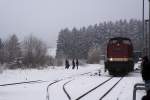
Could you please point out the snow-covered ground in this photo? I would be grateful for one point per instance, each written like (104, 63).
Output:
(77, 84)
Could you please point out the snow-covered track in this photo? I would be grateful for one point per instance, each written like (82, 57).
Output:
(26, 82)
(111, 88)
(47, 90)
(82, 74)
(93, 88)
(101, 85)
(56, 81)
(64, 89)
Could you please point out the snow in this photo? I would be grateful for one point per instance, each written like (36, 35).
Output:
(49, 74)
(78, 85)
(125, 88)
(82, 85)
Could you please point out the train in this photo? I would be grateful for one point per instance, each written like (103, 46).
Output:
(119, 58)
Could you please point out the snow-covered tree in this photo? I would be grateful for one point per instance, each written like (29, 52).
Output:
(1, 52)
(12, 50)
(76, 43)
(34, 52)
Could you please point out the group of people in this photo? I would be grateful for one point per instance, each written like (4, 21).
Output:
(146, 76)
(75, 63)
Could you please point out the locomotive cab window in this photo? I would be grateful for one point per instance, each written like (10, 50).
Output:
(126, 42)
(113, 41)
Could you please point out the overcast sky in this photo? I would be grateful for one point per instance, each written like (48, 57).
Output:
(45, 18)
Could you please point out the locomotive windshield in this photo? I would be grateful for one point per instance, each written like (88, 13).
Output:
(126, 42)
(113, 41)
(120, 40)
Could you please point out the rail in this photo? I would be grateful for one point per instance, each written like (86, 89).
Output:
(138, 86)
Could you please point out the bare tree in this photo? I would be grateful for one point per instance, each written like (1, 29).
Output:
(1, 52)
(12, 51)
(34, 52)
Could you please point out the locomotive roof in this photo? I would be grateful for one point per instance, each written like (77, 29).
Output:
(120, 38)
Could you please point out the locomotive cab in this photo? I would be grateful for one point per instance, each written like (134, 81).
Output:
(119, 56)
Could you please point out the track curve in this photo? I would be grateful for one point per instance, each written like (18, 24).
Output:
(47, 89)
(64, 89)
(56, 81)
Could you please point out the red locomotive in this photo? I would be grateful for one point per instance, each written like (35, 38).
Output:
(119, 56)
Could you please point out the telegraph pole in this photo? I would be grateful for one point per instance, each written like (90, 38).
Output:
(146, 36)
(149, 31)
(143, 43)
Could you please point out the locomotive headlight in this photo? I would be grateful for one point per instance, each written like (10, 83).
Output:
(111, 59)
(118, 44)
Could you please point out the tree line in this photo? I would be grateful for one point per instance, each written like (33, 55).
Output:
(29, 53)
(87, 41)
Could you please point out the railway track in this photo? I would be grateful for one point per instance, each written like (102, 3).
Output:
(111, 89)
(47, 89)
(25, 82)
(91, 90)
(64, 89)
(56, 81)
(39, 81)
(66, 83)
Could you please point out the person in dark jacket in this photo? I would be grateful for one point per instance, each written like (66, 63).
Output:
(73, 64)
(146, 97)
(145, 69)
(67, 64)
(146, 76)
(77, 63)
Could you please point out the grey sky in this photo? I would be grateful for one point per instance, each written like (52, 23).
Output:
(45, 18)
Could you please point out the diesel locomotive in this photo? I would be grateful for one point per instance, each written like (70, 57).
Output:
(119, 60)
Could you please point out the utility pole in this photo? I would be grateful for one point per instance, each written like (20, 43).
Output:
(149, 31)
(146, 36)
(143, 43)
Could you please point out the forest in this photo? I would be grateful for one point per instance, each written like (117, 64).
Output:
(88, 42)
